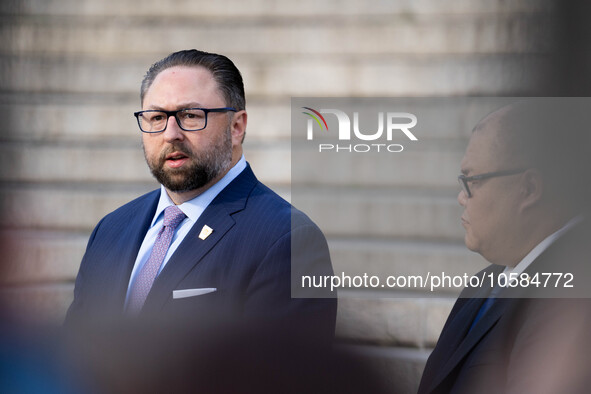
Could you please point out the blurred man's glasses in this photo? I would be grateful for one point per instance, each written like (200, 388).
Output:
(463, 179)
(188, 119)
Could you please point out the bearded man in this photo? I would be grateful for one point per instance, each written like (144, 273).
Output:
(212, 243)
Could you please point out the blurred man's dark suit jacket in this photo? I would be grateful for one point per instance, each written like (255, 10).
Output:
(247, 258)
(522, 344)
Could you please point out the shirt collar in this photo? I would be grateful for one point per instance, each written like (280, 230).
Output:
(195, 207)
(539, 249)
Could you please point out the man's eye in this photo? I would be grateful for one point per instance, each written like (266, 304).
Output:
(155, 118)
(192, 114)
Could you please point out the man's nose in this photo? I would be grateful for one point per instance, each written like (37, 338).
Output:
(173, 131)
(462, 198)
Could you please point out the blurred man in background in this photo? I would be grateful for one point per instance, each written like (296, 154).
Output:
(525, 194)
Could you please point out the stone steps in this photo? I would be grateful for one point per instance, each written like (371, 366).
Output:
(123, 36)
(70, 72)
(417, 215)
(283, 76)
(41, 256)
(79, 117)
(54, 121)
(237, 8)
(392, 321)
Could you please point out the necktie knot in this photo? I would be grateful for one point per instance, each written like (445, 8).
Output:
(173, 216)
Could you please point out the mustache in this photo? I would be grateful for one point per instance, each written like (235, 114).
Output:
(175, 148)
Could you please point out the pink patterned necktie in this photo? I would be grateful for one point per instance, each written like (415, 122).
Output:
(173, 216)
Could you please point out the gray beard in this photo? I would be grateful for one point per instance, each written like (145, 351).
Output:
(202, 170)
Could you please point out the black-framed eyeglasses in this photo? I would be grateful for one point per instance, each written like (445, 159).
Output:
(188, 119)
(463, 179)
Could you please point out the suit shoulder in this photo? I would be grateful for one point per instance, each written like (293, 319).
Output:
(130, 209)
(270, 204)
(280, 205)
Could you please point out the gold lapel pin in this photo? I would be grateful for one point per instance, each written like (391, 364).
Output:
(205, 232)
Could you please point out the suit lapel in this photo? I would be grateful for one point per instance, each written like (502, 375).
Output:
(133, 234)
(218, 216)
(456, 339)
(473, 337)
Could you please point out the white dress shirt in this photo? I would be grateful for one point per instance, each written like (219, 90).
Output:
(537, 251)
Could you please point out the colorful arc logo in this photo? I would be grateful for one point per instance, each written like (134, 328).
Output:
(315, 117)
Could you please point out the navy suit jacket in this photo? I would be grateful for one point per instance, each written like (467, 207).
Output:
(529, 341)
(248, 258)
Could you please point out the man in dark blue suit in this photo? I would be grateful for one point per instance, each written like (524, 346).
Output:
(213, 244)
(525, 194)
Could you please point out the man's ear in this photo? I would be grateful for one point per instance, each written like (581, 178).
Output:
(532, 188)
(238, 127)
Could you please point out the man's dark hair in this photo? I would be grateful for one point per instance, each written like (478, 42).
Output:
(224, 72)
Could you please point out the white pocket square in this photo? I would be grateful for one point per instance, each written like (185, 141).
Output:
(191, 292)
